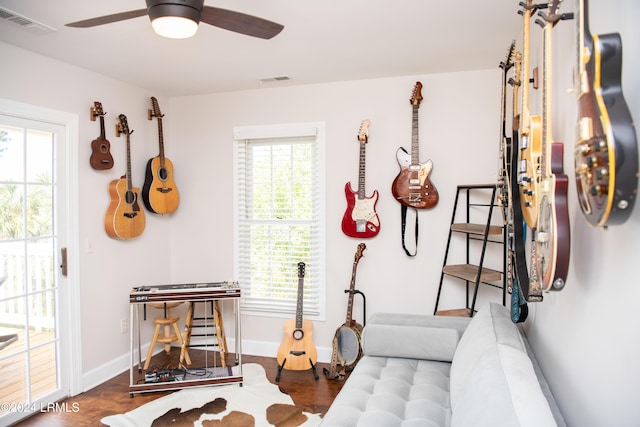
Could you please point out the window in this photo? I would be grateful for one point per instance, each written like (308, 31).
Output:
(279, 217)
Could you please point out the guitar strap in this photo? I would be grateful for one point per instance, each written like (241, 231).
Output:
(332, 373)
(403, 214)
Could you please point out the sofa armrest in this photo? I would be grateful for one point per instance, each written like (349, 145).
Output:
(411, 342)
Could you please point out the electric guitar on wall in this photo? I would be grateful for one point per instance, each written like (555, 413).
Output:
(606, 153)
(551, 245)
(297, 351)
(412, 187)
(124, 218)
(530, 132)
(101, 158)
(159, 192)
(349, 335)
(517, 271)
(504, 152)
(360, 219)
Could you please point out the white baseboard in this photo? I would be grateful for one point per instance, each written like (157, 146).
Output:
(121, 364)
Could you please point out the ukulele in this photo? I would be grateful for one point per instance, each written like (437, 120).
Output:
(551, 245)
(349, 335)
(159, 192)
(124, 218)
(606, 153)
(297, 351)
(517, 272)
(101, 158)
(412, 187)
(529, 133)
(360, 219)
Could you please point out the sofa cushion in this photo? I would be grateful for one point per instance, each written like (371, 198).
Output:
(393, 392)
(493, 382)
(411, 342)
(492, 325)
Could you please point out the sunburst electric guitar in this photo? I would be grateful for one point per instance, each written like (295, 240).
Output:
(297, 351)
(530, 132)
(606, 153)
(413, 187)
(101, 158)
(124, 218)
(551, 245)
(159, 192)
(360, 218)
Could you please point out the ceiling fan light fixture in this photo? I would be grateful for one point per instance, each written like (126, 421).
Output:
(174, 27)
(176, 21)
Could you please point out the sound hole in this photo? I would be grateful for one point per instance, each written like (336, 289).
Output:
(163, 174)
(104, 149)
(298, 334)
(129, 197)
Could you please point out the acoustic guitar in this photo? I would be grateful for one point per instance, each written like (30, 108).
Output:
(551, 245)
(530, 132)
(159, 192)
(413, 187)
(606, 153)
(360, 218)
(101, 158)
(349, 335)
(124, 218)
(297, 351)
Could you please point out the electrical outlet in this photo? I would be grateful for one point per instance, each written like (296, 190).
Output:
(124, 326)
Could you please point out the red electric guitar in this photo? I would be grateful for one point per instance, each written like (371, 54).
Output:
(360, 219)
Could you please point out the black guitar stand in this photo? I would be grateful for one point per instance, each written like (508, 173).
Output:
(364, 303)
(313, 369)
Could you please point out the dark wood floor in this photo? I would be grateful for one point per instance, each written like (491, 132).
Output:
(112, 397)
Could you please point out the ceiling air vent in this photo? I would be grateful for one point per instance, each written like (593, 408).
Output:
(23, 21)
(274, 79)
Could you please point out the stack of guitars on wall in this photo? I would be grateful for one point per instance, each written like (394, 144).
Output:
(533, 185)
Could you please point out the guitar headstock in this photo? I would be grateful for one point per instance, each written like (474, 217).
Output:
(416, 96)
(156, 109)
(122, 126)
(96, 111)
(363, 134)
(301, 266)
(508, 59)
(360, 252)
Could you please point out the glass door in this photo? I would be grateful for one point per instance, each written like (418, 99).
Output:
(31, 242)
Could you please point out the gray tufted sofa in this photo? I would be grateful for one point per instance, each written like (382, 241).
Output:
(444, 371)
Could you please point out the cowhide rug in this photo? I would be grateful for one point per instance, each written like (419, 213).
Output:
(257, 403)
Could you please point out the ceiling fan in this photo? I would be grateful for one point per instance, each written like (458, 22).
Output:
(180, 18)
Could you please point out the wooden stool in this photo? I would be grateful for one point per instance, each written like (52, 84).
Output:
(167, 321)
(219, 328)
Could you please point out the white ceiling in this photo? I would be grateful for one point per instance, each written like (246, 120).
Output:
(322, 41)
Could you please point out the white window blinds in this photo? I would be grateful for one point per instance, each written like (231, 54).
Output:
(279, 217)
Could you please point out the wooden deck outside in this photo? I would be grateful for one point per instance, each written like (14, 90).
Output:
(42, 367)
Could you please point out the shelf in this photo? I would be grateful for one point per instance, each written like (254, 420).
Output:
(476, 229)
(458, 312)
(469, 273)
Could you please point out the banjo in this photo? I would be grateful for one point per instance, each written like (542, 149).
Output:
(348, 336)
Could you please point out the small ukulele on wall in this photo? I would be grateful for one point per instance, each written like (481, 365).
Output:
(101, 158)
(124, 218)
(360, 219)
(159, 192)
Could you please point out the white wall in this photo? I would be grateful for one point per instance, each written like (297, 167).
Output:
(585, 336)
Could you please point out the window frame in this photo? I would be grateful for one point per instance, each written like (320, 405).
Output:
(274, 132)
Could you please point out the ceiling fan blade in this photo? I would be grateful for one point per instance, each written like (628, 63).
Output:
(240, 22)
(107, 19)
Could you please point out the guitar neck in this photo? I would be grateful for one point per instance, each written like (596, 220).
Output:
(526, 44)
(415, 155)
(361, 171)
(300, 303)
(129, 185)
(546, 100)
(102, 133)
(349, 319)
(161, 141)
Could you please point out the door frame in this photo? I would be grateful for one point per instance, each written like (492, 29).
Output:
(71, 319)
